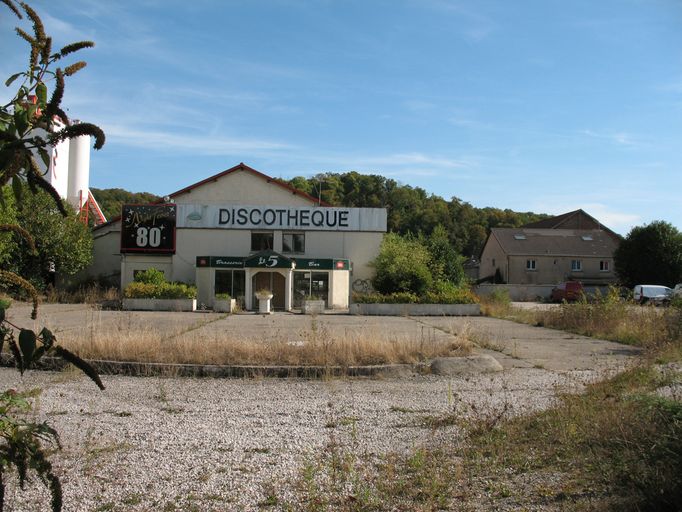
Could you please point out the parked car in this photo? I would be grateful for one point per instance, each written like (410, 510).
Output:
(569, 291)
(652, 293)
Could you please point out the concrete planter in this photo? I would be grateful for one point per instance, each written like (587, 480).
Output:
(312, 307)
(160, 304)
(264, 298)
(224, 305)
(416, 309)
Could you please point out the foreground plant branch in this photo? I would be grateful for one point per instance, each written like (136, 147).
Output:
(29, 124)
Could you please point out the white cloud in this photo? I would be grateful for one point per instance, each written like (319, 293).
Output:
(200, 144)
(620, 138)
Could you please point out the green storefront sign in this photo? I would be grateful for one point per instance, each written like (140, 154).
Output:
(271, 259)
(220, 261)
(322, 264)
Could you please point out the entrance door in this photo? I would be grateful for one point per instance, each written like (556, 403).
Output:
(270, 281)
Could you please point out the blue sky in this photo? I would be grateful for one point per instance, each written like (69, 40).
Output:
(534, 105)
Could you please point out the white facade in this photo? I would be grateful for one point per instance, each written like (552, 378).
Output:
(240, 212)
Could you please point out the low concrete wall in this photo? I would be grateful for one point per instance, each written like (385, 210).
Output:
(416, 309)
(160, 304)
(518, 292)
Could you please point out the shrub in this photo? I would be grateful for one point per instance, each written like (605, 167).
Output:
(444, 292)
(150, 276)
(499, 296)
(402, 266)
(137, 290)
(223, 296)
(389, 298)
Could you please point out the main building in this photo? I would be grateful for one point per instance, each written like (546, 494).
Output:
(241, 231)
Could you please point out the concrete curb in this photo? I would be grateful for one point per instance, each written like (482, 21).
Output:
(137, 369)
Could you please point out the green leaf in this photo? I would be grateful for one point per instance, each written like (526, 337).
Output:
(47, 337)
(41, 92)
(45, 156)
(27, 344)
(5, 157)
(11, 79)
(40, 352)
(17, 188)
(21, 121)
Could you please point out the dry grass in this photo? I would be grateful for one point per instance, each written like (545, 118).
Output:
(608, 317)
(85, 294)
(315, 346)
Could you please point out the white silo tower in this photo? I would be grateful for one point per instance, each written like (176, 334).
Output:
(79, 172)
(57, 171)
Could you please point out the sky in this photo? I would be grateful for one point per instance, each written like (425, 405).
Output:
(533, 105)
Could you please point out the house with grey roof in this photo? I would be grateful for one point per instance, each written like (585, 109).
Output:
(572, 246)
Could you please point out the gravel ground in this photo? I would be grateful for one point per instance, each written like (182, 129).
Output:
(205, 444)
(181, 444)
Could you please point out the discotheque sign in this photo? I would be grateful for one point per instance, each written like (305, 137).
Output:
(284, 218)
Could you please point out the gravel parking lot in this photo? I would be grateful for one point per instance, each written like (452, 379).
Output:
(225, 444)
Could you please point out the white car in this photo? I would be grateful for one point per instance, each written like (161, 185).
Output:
(654, 293)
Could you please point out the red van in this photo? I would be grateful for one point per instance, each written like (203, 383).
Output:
(568, 291)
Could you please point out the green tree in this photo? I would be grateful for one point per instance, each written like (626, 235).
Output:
(650, 254)
(25, 123)
(402, 265)
(412, 209)
(446, 264)
(110, 200)
(63, 244)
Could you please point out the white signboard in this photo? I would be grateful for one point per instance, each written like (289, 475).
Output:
(281, 218)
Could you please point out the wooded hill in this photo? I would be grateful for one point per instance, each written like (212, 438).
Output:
(111, 199)
(410, 209)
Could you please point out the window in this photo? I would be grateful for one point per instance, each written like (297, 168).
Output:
(530, 265)
(519, 237)
(604, 266)
(576, 265)
(232, 282)
(293, 242)
(261, 241)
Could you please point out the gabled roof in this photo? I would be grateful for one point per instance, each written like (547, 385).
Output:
(240, 167)
(243, 167)
(577, 219)
(561, 242)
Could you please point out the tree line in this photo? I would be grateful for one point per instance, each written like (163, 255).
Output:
(412, 209)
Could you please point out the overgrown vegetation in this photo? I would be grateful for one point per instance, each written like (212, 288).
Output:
(617, 446)
(411, 269)
(63, 245)
(315, 346)
(608, 316)
(445, 294)
(151, 284)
